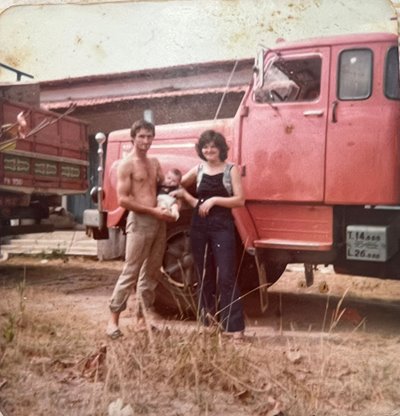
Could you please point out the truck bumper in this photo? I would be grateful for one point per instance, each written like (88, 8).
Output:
(96, 223)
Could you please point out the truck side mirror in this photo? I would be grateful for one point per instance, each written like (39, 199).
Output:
(148, 115)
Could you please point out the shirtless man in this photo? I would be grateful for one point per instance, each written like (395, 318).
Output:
(137, 179)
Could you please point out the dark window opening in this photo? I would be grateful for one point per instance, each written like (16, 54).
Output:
(291, 80)
(392, 80)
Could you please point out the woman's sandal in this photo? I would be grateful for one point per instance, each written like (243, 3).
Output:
(236, 335)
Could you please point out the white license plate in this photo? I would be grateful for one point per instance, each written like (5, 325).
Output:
(368, 243)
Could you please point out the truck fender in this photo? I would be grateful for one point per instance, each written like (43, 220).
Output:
(245, 227)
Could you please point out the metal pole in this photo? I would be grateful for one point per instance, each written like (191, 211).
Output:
(100, 139)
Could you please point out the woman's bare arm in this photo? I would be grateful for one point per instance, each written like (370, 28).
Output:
(187, 180)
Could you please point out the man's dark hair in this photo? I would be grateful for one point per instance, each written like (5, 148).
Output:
(211, 136)
(142, 124)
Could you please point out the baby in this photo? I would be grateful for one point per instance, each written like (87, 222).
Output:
(171, 182)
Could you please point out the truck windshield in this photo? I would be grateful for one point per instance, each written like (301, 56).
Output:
(291, 79)
(392, 84)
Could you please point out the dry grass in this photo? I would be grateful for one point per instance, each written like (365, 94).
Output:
(55, 361)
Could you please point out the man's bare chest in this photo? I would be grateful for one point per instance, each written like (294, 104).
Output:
(143, 173)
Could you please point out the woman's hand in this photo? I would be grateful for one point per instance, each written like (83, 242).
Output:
(204, 208)
(178, 193)
(182, 193)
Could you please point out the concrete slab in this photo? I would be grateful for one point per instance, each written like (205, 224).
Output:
(69, 242)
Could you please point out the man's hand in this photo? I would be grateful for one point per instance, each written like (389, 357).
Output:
(163, 214)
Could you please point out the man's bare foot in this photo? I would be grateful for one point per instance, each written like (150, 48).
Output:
(140, 324)
(146, 320)
(152, 315)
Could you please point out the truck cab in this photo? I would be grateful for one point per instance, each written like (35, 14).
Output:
(319, 149)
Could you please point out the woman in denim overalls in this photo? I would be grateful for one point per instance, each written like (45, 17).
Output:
(212, 234)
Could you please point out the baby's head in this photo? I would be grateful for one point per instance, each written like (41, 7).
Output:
(173, 177)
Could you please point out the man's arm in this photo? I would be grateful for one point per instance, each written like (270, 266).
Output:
(126, 198)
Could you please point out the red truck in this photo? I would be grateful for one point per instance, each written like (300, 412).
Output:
(316, 137)
(38, 167)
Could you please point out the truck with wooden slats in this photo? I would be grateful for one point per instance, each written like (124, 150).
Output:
(42, 158)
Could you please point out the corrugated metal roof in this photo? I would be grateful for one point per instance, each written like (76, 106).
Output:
(184, 80)
(54, 105)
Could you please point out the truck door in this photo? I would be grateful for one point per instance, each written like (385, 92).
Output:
(283, 128)
(362, 138)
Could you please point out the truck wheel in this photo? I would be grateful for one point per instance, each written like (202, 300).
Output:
(176, 292)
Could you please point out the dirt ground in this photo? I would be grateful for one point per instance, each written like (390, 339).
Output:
(328, 349)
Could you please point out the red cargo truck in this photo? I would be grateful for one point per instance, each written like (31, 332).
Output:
(316, 137)
(38, 167)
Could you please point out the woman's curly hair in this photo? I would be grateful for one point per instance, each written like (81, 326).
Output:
(212, 136)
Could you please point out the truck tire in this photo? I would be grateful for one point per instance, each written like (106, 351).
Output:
(176, 291)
